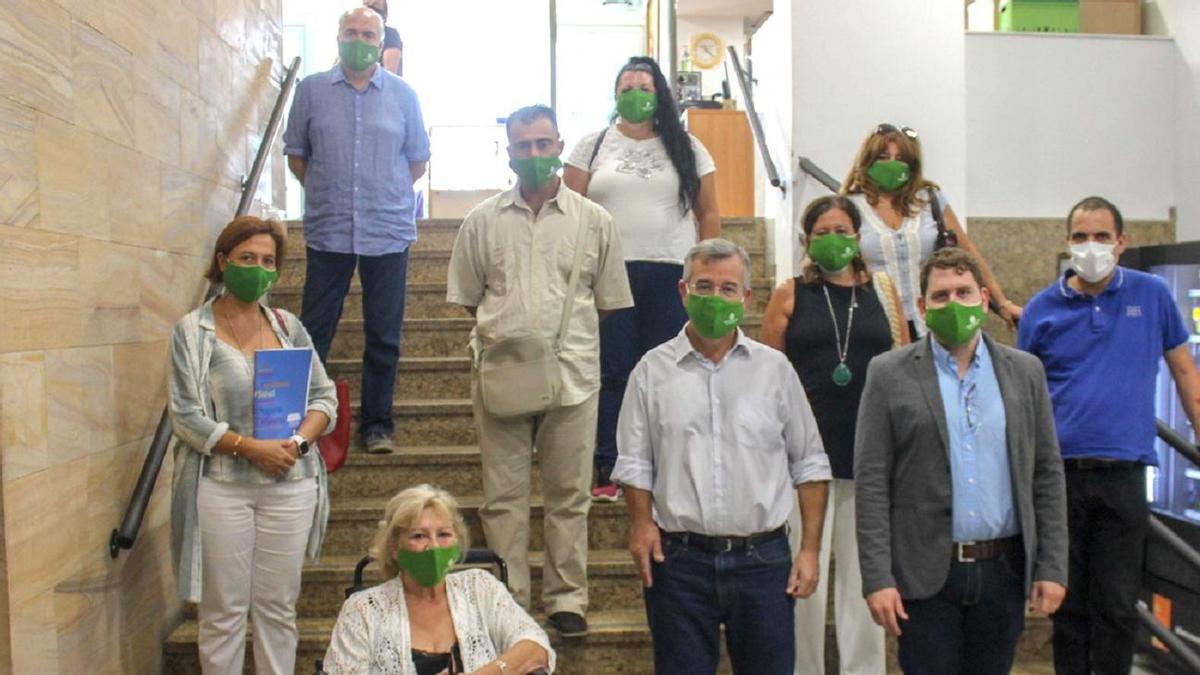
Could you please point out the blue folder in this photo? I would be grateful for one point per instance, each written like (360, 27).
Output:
(280, 391)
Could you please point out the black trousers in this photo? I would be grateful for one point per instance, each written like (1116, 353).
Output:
(1095, 628)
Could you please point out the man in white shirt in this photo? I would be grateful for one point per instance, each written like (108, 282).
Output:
(715, 432)
(511, 268)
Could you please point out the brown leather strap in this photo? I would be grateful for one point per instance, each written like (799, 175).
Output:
(986, 550)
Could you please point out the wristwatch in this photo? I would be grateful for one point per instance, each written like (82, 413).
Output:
(301, 443)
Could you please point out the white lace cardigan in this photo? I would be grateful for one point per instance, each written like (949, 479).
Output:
(372, 632)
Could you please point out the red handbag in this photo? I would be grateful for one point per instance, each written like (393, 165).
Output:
(335, 444)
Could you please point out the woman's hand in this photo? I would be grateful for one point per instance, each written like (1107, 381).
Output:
(272, 457)
(1011, 313)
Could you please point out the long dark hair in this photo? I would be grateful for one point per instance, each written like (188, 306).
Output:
(666, 122)
(810, 272)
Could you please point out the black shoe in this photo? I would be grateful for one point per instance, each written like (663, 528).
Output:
(569, 624)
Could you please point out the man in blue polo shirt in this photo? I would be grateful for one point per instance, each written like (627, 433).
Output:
(1100, 331)
(356, 141)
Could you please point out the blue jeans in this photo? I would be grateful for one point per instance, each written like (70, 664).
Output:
(384, 278)
(626, 335)
(971, 626)
(695, 592)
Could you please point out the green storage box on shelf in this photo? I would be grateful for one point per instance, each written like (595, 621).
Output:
(1039, 16)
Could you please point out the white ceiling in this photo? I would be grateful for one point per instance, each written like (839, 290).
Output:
(745, 8)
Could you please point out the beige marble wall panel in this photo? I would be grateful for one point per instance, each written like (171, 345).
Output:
(24, 430)
(36, 35)
(18, 191)
(103, 92)
(73, 197)
(39, 283)
(125, 129)
(110, 285)
(134, 188)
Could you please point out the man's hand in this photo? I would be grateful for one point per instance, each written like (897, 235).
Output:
(806, 572)
(644, 542)
(1046, 596)
(887, 609)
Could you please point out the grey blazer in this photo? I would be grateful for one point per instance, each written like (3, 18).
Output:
(902, 471)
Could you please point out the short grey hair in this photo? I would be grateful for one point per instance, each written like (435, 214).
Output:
(365, 11)
(716, 249)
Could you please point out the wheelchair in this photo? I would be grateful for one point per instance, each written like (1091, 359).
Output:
(475, 557)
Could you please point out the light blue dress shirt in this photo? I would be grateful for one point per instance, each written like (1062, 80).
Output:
(981, 481)
(358, 194)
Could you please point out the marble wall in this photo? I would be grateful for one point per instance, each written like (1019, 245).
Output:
(125, 129)
(1024, 254)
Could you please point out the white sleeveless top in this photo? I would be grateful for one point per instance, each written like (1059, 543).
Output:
(900, 252)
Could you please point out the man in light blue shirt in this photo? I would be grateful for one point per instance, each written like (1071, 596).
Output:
(356, 140)
(959, 494)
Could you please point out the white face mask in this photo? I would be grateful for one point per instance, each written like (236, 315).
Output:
(1093, 261)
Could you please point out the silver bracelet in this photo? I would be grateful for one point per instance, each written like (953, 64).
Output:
(503, 666)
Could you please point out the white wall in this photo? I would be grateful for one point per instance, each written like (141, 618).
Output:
(1052, 119)
(1185, 23)
(731, 31)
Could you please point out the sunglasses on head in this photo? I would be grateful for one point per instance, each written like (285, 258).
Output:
(886, 128)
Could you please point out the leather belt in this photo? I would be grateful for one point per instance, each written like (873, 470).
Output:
(724, 544)
(1095, 464)
(971, 551)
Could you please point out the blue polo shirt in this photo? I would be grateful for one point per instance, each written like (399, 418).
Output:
(1102, 356)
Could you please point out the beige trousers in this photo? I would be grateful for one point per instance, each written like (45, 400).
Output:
(859, 640)
(564, 440)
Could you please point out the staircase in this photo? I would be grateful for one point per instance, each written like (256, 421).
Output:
(436, 441)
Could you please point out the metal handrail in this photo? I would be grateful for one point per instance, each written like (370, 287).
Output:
(810, 167)
(1174, 643)
(1175, 542)
(755, 123)
(1178, 442)
(125, 535)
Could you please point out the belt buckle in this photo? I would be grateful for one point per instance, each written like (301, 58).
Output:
(959, 549)
(728, 544)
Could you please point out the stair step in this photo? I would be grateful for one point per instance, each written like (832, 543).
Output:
(424, 266)
(421, 422)
(422, 301)
(433, 234)
(437, 234)
(439, 337)
(352, 524)
(453, 468)
(417, 377)
(617, 642)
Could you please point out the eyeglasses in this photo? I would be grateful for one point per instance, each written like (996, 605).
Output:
(972, 411)
(886, 128)
(729, 291)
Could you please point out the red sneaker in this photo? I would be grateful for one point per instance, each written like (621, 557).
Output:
(606, 493)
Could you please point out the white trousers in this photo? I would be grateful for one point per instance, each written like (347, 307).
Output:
(859, 639)
(253, 539)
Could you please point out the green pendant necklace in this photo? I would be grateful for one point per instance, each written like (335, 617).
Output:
(841, 373)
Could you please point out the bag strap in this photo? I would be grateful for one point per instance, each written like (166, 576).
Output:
(282, 324)
(572, 285)
(944, 237)
(596, 148)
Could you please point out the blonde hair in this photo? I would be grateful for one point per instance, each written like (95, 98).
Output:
(907, 199)
(402, 513)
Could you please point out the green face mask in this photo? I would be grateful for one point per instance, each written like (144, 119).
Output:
(713, 316)
(358, 55)
(832, 252)
(637, 106)
(889, 174)
(955, 324)
(248, 282)
(534, 172)
(427, 567)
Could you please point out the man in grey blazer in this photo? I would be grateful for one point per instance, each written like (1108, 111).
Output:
(959, 485)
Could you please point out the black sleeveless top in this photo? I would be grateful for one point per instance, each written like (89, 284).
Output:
(428, 663)
(810, 345)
